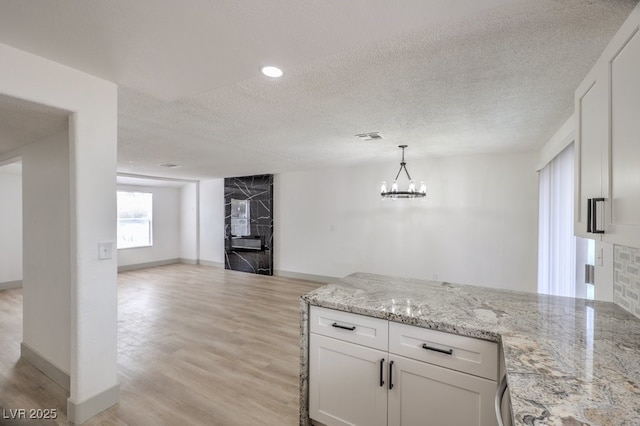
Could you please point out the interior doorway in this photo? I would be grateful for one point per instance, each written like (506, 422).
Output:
(11, 224)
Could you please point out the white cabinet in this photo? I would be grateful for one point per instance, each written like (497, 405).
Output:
(607, 147)
(348, 383)
(623, 211)
(424, 394)
(591, 166)
(348, 360)
(368, 371)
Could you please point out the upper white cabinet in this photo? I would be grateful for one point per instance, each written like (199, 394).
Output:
(592, 126)
(608, 142)
(623, 212)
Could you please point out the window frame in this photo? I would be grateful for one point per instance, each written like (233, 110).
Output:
(149, 219)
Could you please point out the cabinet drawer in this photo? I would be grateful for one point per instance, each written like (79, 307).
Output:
(367, 331)
(461, 353)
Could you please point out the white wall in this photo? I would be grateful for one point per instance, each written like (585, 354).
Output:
(92, 216)
(189, 213)
(10, 226)
(477, 225)
(212, 221)
(166, 227)
(47, 261)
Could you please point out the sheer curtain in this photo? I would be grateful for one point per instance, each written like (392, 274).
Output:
(556, 242)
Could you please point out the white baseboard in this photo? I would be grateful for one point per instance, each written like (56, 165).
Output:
(56, 374)
(189, 261)
(212, 263)
(80, 412)
(137, 266)
(302, 276)
(10, 284)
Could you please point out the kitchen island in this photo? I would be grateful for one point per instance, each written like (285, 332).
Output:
(568, 361)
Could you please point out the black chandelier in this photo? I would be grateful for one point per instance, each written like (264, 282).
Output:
(411, 190)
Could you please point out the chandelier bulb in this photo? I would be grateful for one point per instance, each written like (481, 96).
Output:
(423, 188)
(383, 188)
(412, 186)
(394, 187)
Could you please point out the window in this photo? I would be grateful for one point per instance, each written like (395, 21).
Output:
(135, 219)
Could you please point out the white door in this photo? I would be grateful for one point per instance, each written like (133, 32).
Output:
(427, 395)
(347, 383)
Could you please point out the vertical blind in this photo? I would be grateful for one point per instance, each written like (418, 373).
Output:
(556, 242)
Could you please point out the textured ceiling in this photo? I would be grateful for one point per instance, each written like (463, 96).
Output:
(446, 77)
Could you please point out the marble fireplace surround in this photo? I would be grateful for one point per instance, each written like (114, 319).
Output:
(258, 192)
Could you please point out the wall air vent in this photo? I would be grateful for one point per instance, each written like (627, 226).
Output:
(371, 136)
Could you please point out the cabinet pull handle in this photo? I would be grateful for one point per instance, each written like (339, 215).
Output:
(594, 216)
(344, 327)
(589, 214)
(498, 400)
(391, 375)
(381, 375)
(442, 351)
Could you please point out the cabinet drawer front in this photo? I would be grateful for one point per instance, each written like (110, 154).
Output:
(371, 332)
(461, 353)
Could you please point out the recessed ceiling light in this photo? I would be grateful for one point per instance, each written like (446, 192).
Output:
(271, 71)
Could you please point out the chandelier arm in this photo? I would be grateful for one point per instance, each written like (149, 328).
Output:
(399, 170)
(406, 171)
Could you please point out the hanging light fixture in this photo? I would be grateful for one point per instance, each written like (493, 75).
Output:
(411, 190)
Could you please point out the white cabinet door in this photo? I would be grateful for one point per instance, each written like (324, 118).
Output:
(623, 226)
(428, 395)
(346, 383)
(592, 115)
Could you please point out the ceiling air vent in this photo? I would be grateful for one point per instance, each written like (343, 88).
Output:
(371, 136)
(169, 165)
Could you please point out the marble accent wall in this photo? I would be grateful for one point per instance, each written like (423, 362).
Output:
(249, 249)
(626, 278)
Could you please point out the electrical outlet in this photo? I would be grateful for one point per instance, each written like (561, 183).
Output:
(105, 251)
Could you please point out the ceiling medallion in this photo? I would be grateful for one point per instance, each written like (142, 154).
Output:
(411, 190)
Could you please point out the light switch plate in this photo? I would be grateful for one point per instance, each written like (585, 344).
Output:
(105, 251)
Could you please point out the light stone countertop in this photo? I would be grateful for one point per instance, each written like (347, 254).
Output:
(569, 361)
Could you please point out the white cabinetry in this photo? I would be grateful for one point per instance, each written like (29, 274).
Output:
(425, 394)
(347, 368)
(591, 152)
(368, 371)
(343, 378)
(607, 143)
(623, 224)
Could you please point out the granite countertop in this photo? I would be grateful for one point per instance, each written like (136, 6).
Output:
(569, 361)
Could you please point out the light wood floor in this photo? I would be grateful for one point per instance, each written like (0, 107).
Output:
(196, 346)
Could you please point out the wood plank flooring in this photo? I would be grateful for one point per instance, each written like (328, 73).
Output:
(197, 345)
